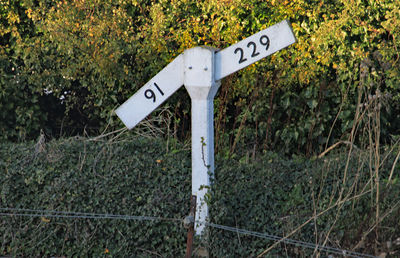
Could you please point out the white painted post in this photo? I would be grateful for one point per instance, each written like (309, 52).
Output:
(200, 70)
(200, 83)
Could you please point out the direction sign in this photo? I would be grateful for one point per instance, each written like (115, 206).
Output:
(200, 69)
(253, 48)
(226, 62)
(152, 94)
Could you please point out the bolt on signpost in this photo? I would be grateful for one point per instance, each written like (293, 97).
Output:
(200, 69)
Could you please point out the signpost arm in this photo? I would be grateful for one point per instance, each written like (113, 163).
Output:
(152, 94)
(253, 49)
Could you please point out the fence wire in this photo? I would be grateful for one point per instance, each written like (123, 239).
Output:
(327, 249)
(83, 215)
(76, 215)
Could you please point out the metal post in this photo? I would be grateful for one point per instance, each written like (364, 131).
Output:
(202, 87)
(189, 222)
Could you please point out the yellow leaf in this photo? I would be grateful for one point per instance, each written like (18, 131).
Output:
(29, 13)
(45, 220)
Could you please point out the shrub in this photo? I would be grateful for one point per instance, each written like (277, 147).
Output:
(334, 195)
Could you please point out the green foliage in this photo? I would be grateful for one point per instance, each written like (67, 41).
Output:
(276, 195)
(268, 193)
(95, 54)
(94, 177)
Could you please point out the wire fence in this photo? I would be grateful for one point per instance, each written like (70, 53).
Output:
(83, 215)
(327, 249)
(75, 215)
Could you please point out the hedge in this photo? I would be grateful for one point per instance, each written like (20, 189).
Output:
(150, 177)
(94, 55)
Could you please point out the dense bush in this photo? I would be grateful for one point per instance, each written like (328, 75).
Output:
(94, 56)
(148, 177)
(94, 177)
(278, 195)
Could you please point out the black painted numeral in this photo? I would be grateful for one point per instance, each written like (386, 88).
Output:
(241, 60)
(149, 94)
(158, 88)
(264, 41)
(255, 53)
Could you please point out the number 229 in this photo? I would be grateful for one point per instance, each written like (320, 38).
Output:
(264, 40)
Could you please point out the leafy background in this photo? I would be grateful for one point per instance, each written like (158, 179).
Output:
(140, 177)
(94, 56)
(311, 130)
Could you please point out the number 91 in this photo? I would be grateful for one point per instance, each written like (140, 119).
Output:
(149, 94)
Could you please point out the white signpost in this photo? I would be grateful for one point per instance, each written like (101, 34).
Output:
(200, 69)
